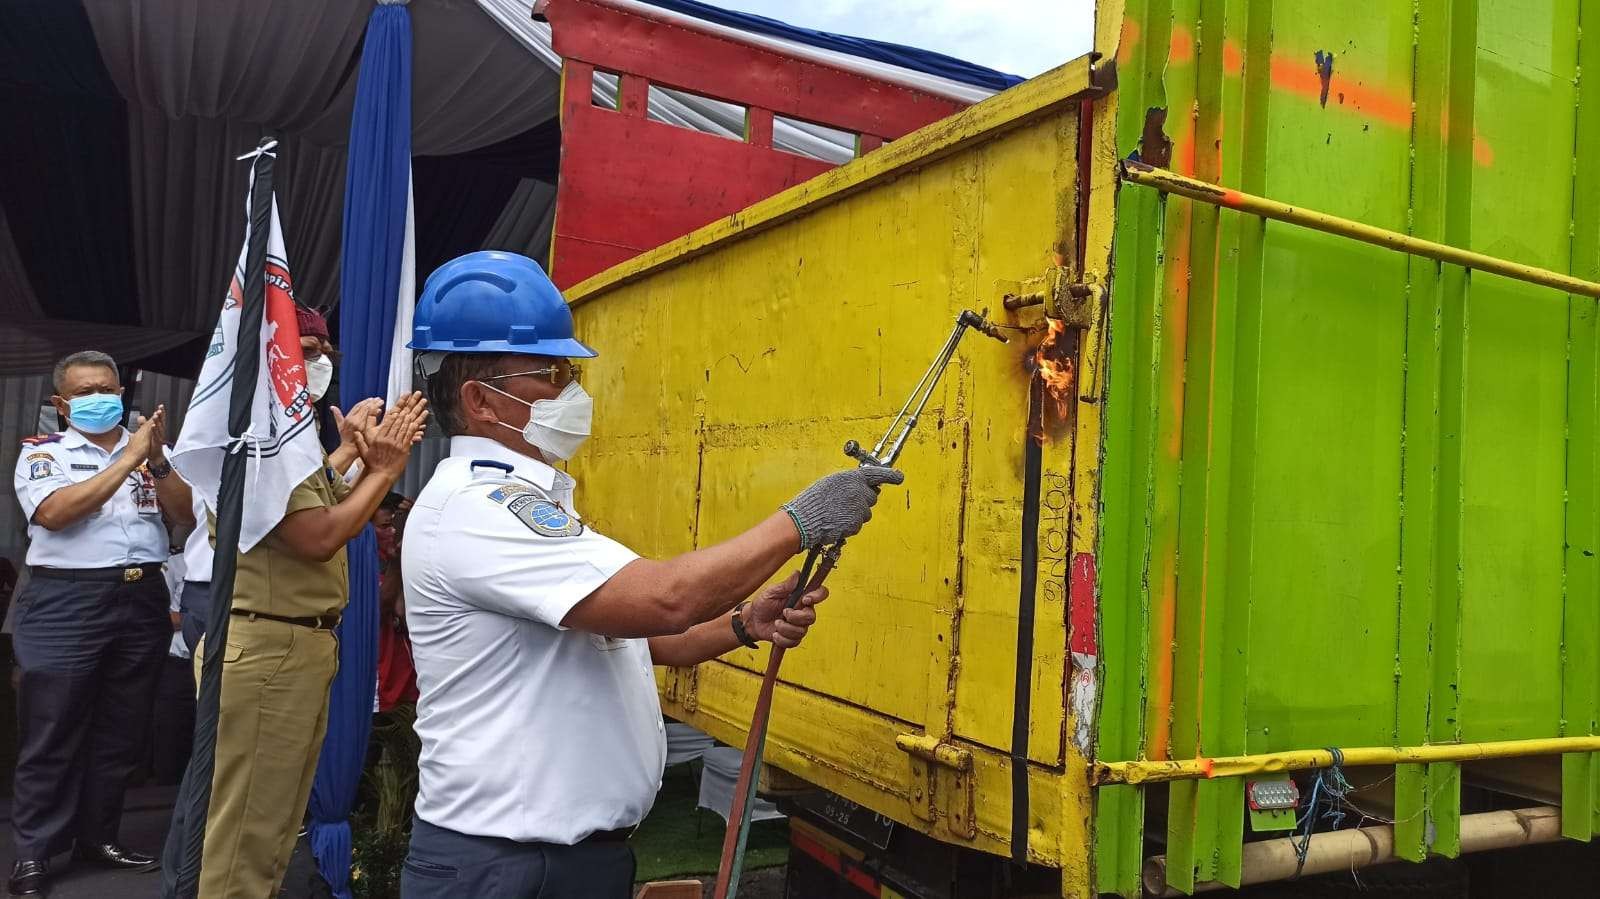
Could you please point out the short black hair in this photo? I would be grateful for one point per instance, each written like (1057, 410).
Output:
(391, 500)
(444, 388)
(82, 357)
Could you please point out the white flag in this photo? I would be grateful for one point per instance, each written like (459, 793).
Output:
(282, 439)
(400, 375)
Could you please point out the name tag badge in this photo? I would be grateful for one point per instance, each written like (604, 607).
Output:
(144, 494)
(84, 466)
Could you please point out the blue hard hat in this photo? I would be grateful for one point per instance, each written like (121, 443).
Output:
(494, 302)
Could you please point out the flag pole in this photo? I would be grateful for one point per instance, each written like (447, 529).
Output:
(181, 859)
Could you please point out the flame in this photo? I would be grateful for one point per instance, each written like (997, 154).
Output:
(1051, 364)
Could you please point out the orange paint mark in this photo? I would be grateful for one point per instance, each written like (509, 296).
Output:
(1126, 41)
(1183, 154)
(1482, 153)
(1301, 78)
(1232, 58)
(1230, 198)
(1206, 765)
(1181, 49)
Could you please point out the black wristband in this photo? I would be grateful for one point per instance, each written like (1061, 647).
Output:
(159, 471)
(739, 632)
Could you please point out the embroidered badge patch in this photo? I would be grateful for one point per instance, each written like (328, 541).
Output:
(541, 516)
(39, 470)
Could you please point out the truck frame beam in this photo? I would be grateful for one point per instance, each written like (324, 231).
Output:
(1170, 182)
(1143, 772)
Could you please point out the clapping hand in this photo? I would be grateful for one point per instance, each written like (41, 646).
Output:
(149, 440)
(361, 418)
(386, 447)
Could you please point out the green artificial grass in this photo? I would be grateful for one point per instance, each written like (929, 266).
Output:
(678, 839)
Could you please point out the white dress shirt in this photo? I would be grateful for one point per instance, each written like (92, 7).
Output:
(174, 572)
(197, 551)
(529, 731)
(126, 531)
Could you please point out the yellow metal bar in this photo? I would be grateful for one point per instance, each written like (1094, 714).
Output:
(1228, 198)
(1141, 772)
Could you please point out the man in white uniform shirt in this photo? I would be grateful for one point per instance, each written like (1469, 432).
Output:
(534, 635)
(92, 624)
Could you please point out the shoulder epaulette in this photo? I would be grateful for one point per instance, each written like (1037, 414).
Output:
(40, 439)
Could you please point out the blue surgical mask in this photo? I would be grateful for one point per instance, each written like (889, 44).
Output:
(96, 413)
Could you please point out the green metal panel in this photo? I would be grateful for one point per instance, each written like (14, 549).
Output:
(1350, 497)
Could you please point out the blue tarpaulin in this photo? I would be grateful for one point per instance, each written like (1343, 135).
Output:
(377, 181)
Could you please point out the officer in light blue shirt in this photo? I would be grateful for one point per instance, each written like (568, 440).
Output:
(92, 625)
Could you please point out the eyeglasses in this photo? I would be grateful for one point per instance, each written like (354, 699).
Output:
(561, 374)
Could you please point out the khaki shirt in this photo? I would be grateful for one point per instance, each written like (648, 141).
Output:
(272, 581)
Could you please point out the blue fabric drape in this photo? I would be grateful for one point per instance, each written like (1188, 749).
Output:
(376, 182)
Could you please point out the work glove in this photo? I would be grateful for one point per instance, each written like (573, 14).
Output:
(836, 506)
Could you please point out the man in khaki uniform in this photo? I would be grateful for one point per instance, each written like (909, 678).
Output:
(289, 592)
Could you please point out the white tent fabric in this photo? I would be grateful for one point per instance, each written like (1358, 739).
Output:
(717, 779)
(727, 119)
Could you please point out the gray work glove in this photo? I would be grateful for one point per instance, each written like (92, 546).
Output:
(836, 506)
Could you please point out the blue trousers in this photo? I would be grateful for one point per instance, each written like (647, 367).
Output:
(90, 654)
(444, 864)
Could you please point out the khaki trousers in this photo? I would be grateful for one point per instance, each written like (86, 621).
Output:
(274, 711)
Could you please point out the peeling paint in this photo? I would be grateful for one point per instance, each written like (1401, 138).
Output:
(1324, 62)
(1085, 695)
(1154, 144)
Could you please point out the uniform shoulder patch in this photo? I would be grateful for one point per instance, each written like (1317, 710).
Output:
(540, 515)
(41, 439)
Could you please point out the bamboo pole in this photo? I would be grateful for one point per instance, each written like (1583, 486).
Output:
(1228, 198)
(1142, 771)
(1363, 847)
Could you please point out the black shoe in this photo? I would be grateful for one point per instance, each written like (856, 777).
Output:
(110, 855)
(28, 878)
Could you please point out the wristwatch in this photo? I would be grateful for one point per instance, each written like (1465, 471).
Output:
(738, 626)
(159, 470)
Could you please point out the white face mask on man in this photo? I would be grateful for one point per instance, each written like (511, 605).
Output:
(557, 427)
(319, 374)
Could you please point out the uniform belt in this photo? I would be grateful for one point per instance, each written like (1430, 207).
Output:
(619, 835)
(315, 622)
(126, 575)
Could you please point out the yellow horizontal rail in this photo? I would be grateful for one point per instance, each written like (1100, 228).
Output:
(1228, 198)
(1141, 772)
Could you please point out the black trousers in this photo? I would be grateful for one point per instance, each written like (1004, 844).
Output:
(172, 733)
(443, 864)
(89, 653)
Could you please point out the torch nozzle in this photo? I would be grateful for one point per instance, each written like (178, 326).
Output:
(982, 325)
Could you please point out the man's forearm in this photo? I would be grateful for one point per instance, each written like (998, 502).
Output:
(649, 598)
(176, 499)
(318, 533)
(73, 503)
(715, 579)
(701, 643)
(342, 458)
(355, 510)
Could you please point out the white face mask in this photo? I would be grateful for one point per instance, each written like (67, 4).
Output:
(319, 374)
(559, 426)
